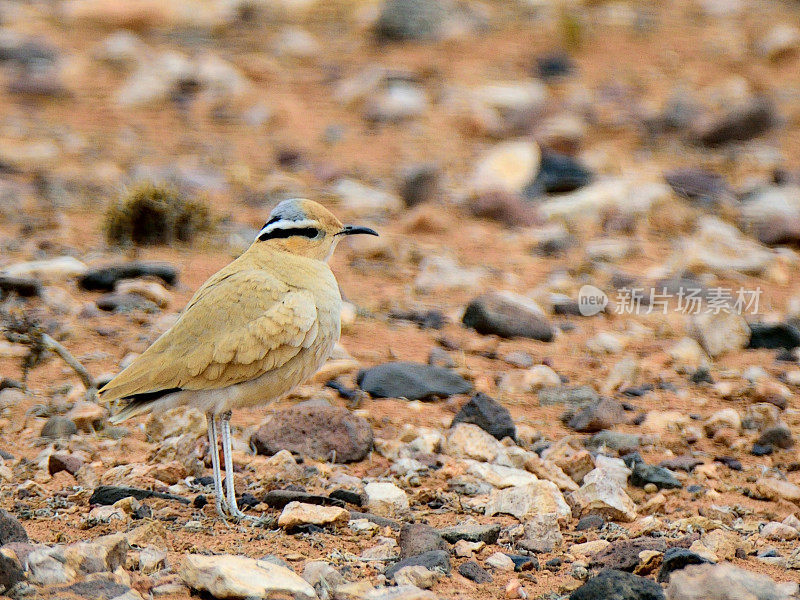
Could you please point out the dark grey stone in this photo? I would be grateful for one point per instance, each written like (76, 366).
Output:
(419, 538)
(104, 279)
(663, 478)
(493, 314)
(413, 381)
(438, 560)
(473, 571)
(676, 559)
(471, 533)
(618, 585)
(488, 414)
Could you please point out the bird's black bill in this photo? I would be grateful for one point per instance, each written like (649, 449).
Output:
(356, 229)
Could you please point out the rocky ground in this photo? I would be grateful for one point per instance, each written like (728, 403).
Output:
(476, 435)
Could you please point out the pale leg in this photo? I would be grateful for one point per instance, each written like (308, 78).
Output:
(219, 497)
(233, 509)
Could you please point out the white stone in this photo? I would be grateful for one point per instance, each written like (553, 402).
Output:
(527, 501)
(509, 166)
(441, 272)
(53, 269)
(500, 561)
(362, 200)
(498, 475)
(466, 440)
(720, 333)
(295, 514)
(386, 499)
(230, 576)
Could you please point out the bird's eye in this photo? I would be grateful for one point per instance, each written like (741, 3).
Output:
(275, 234)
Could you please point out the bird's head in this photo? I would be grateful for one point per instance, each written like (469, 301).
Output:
(305, 228)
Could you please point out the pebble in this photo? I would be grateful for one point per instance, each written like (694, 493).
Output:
(365, 201)
(779, 531)
(508, 315)
(676, 559)
(386, 500)
(50, 270)
(737, 124)
(618, 585)
(474, 572)
(419, 538)
(106, 279)
(417, 576)
(435, 560)
(471, 531)
(296, 514)
(318, 431)
(773, 336)
(603, 492)
(418, 20)
(412, 381)
(230, 576)
(528, 501)
(500, 561)
(720, 333)
(470, 441)
(663, 479)
(488, 414)
(441, 272)
(558, 173)
(719, 582)
(507, 167)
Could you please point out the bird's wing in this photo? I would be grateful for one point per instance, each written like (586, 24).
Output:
(237, 327)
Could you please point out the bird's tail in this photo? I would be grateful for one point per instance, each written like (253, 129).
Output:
(139, 404)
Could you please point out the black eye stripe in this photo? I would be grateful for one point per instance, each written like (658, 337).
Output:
(276, 234)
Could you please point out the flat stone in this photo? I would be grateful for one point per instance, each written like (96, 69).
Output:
(527, 501)
(296, 514)
(676, 559)
(618, 585)
(230, 576)
(624, 555)
(488, 414)
(573, 397)
(558, 173)
(419, 538)
(773, 336)
(720, 333)
(508, 315)
(319, 431)
(11, 530)
(280, 498)
(435, 560)
(105, 279)
(541, 534)
(58, 427)
(603, 414)
(739, 124)
(471, 532)
(386, 500)
(724, 581)
(662, 478)
(470, 441)
(474, 572)
(412, 381)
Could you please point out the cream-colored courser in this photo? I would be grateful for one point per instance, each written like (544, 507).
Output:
(254, 331)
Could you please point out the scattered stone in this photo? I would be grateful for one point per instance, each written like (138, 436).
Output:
(508, 167)
(230, 576)
(438, 273)
(109, 494)
(51, 270)
(474, 572)
(417, 20)
(618, 585)
(386, 500)
(435, 560)
(507, 208)
(500, 561)
(419, 538)
(626, 555)
(570, 396)
(471, 532)
(412, 381)
(508, 315)
(63, 462)
(542, 534)
(280, 498)
(772, 336)
(420, 184)
(662, 478)
(557, 174)
(528, 501)
(11, 530)
(603, 493)
(105, 279)
(416, 576)
(779, 436)
(723, 581)
(470, 441)
(721, 332)
(318, 431)
(603, 414)
(296, 514)
(58, 428)
(488, 414)
(25, 287)
(738, 125)
(676, 559)
(779, 531)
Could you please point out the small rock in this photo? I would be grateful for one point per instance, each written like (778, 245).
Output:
(63, 462)
(175, 422)
(662, 478)
(542, 534)
(723, 581)
(721, 332)
(603, 493)
(474, 572)
(417, 20)
(420, 184)
(386, 500)
(318, 431)
(412, 381)
(626, 555)
(488, 414)
(296, 514)
(676, 559)
(737, 125)
(419, 538)
(471, 532)
(87, 416)
(603, 414)
(105, 279)
(779, 532)
(558, 173)
(230, 576)
(507, 208)
(508, 167)
(508, 315)
(50, 270)
(25, 287)
(618, 585)
(11, 530)
(780, 42)
(528, 501)
(435, 560)
(779, 436)
(58, 428)
(500, 561)
(706, 188)
(470, 441)
(362, 200)
(416, 576)
(773, 336)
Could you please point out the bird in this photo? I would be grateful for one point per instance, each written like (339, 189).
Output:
(251, 333)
